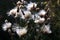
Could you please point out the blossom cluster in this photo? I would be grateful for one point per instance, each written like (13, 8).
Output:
(25, 12)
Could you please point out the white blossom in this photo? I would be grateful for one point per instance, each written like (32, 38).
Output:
(14, 12)
(18, 2)
(21, 31)
(46, 29)
(30, 5)
(41, 20)
(6, 25)
(27, 14)
(42, 12)
(38, 19)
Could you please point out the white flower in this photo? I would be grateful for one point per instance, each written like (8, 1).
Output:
(30, 5)
(46, 29)
(6, 25)
(41, 20)
(18, 2)
(27, 14)
(42, 12)
(13, 11)
(38, 19)
(22, 17)
(21, 31)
